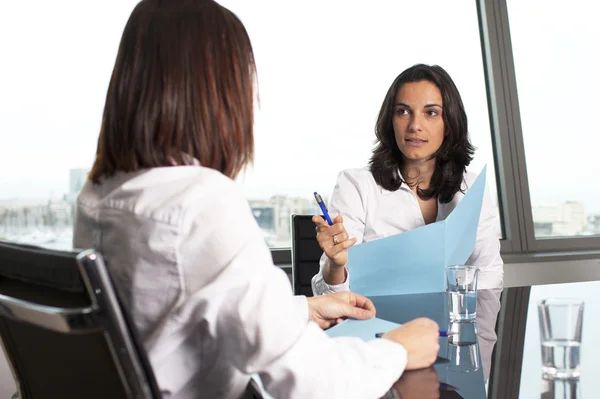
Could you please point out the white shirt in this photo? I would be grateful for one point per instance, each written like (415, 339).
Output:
(190, 262)
(371, 212)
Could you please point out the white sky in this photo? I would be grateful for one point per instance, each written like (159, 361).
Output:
(324, 67)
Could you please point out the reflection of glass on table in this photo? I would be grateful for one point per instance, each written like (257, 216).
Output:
(463, 358)
(563, 389)
(463, 353)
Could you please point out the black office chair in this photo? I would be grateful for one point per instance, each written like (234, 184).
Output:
(62, 328)
(306, 254)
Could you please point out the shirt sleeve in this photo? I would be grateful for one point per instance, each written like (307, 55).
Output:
(302, 306)
(320, 286)
(486, 253)
(262, 328)
(348, 199)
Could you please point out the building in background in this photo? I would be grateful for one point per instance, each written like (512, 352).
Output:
(274, 216)
(77, 178)
(48, 222)
(567, 219)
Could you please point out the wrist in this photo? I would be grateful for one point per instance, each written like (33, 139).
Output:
(333, 265)
(335, 275)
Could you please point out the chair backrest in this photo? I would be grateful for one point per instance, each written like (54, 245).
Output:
(306, 253)
(63, 330)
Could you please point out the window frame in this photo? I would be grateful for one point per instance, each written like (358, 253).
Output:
(507, 130)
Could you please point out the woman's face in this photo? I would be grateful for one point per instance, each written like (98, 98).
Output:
(417, 120)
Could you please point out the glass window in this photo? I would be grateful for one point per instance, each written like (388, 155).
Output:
(56, 65)
(323, 71)
(323, 67)
(556, 55)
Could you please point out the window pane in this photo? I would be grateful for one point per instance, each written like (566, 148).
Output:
(556, 55)
(324, 68)
(323, 71)
(54, 75)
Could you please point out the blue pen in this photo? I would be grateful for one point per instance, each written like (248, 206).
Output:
(443, 333)
(323, 208)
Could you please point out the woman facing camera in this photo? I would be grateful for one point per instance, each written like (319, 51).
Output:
(417, 175)
(179, 239)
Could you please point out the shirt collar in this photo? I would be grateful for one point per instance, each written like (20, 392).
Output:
(403, 186)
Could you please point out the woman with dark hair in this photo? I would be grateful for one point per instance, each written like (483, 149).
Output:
(181, 244)
(417, 175)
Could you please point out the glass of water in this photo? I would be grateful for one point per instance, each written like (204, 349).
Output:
(561, 320)
(461, 286)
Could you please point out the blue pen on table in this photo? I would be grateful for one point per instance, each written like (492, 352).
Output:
(443, 333)
(323, 208)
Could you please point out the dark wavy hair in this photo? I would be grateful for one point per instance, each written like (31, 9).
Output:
(182, 86)
(453, 156)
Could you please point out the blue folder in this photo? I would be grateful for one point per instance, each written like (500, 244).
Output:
(414, 261)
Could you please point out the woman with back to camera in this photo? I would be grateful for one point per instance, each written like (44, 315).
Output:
(417, 175)
(182, 247)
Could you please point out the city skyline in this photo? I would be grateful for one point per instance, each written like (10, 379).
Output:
(49, 222)
(36, 192)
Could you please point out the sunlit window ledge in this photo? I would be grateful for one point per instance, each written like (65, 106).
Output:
(551, 268)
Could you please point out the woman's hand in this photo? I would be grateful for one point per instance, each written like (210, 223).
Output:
(420, 338)
(333, 240)
(329, 310)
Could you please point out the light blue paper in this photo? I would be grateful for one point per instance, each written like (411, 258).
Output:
(414, 262)
(363, 329)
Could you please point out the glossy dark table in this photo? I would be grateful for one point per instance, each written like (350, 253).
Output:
(515, 368)
(463, 375)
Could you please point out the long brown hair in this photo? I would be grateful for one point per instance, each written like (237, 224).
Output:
(182, 86)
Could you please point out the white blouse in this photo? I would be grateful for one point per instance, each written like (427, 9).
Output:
(190, 262)
(371, 212)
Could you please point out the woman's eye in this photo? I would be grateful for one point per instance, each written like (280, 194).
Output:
(401, 111)
(432, 112)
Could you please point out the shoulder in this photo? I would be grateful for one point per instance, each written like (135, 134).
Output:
(166, 194)
(213, 195)
(216, 218)
(361, 177)
(207, 184)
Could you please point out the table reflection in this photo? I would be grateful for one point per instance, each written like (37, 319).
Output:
(419, 384)
(422, 384)
(466, 356)
(463, 352)
(488, 306)
(561, 389)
